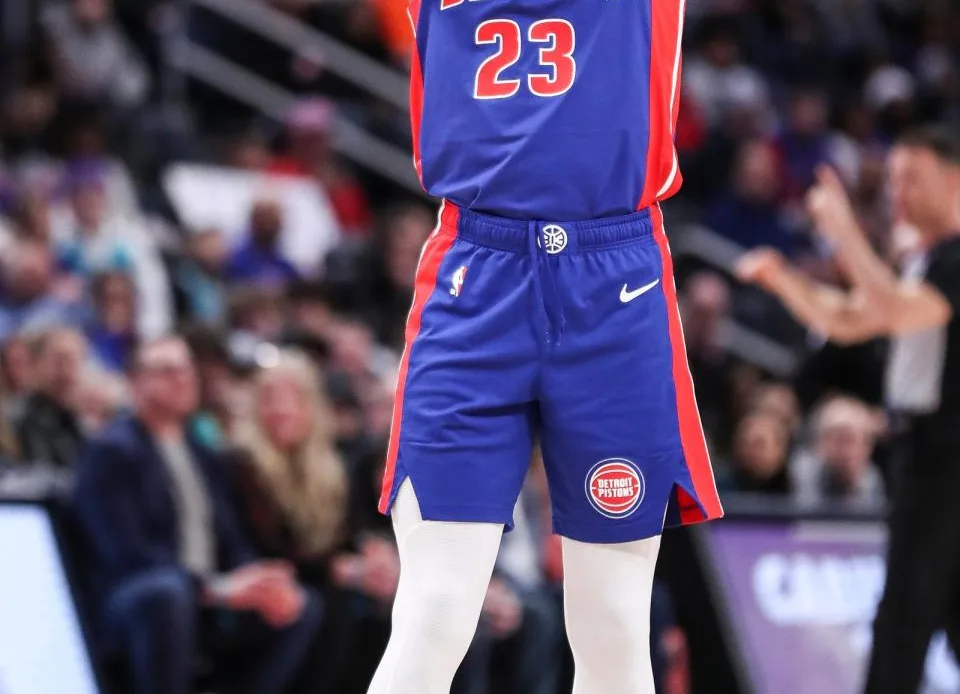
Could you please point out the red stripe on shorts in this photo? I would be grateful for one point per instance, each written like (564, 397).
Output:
(428, 268)
(691, 430)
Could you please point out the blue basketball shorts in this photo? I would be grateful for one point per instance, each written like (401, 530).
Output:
(566, 333)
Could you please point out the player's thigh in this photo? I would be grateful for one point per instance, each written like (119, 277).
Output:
(463, 418)
(621, 436)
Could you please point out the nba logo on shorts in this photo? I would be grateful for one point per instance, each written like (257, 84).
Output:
(457, 282)
(615, 487)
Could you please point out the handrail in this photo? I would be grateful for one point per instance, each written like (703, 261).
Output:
(388, 84)
(760, 350)
(207, 66)
(701, 242)
(212, 69)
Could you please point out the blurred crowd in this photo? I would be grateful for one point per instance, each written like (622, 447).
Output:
(276, 396)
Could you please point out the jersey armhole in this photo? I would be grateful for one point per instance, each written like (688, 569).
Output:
(413, 14)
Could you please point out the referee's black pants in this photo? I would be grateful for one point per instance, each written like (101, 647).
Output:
(922, 591)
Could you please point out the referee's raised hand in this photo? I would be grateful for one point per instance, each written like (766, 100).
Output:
(763, 267)
(829, 206)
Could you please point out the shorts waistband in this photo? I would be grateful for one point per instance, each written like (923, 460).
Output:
(575, 237)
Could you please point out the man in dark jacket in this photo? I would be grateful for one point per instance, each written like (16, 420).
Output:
(48, 429)
(174, 575)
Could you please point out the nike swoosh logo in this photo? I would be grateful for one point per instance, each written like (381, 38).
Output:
(627, 296)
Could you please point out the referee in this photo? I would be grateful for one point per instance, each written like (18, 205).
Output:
(921, 313)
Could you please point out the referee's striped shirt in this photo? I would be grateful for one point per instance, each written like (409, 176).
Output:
(923, 371)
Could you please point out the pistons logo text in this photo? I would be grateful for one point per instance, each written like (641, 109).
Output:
(615, 487)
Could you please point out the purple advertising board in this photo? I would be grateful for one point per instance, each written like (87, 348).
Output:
(800, 599)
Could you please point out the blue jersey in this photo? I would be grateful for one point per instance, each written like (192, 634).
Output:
(547, 109)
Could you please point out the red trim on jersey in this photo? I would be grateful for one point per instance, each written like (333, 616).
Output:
(413, 11)
(691, 430)
(449, 216)
(434, 251)
(416, 88)
(666, 28)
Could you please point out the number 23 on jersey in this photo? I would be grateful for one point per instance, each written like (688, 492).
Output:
(553, 38)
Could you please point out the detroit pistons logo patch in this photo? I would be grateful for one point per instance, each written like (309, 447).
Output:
(615, 487)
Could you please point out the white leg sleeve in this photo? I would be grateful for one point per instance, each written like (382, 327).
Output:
(607, 593)
(445, 569)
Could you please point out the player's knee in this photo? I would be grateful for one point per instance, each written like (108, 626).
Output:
(609, 627)
(446, 615)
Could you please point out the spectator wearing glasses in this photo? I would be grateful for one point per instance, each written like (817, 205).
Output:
(175, 575)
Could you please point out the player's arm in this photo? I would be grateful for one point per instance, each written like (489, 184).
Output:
(900, 306)
(839, 316)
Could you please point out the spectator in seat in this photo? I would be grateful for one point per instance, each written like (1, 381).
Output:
(705, 309)
(311, 310)
(94, 60)
(17, 374)
(356, 436)
(33, 216)
(99, 240)
(9, 449)
(309, 129)
(805, 143)
(294, 488)
(28, 301)
(287, 454)
(16, 384)
(760, 452)
(102, 396)
(49, 429)
(86, 144)
(259, 261)
(748, 214)
(112, 329)
(838, 466)
(718, 79)
(214, 420)
(779, 399)
(200, 277)
(404, 231)
(257, 315)
(246, 148)
(174, 572)
(93, 244)
(355, 355)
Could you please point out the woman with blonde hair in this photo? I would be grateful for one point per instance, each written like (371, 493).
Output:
(290, 468)
(294, 492)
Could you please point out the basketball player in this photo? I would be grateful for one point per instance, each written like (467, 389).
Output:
(921, 312)
(544, 305)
